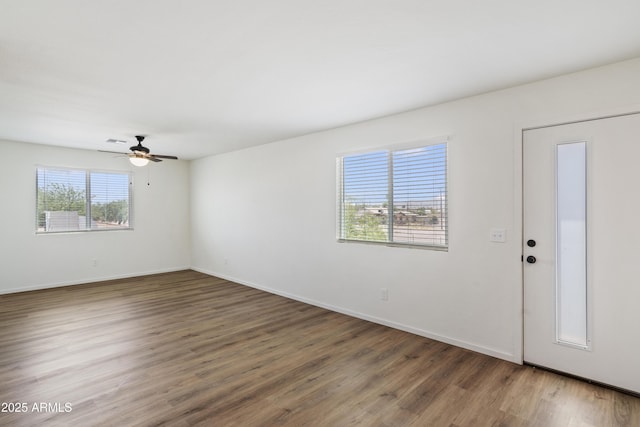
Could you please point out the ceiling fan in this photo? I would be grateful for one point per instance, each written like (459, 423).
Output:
(140, 154)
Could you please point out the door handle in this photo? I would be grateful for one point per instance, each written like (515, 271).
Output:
(531, 259)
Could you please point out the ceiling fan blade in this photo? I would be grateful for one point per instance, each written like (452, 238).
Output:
(113, 152)
(160, 156)
(152, 158)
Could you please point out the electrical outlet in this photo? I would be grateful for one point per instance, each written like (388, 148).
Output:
(384, 294)
(95, 262)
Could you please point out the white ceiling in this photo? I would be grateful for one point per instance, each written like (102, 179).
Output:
(201, 77)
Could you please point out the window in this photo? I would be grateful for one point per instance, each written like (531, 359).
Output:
(394, 196)
(81, 200)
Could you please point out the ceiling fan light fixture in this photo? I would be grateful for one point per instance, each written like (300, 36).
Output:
(139, 161)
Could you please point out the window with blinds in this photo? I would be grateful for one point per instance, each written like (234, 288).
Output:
(71, 200)
(394, 196)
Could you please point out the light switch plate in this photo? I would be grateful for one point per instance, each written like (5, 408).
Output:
(498, 235)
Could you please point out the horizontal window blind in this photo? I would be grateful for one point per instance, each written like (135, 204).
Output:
(394, 196)
(365, 180)
(81, 200)
(419, 195)
(110, 200)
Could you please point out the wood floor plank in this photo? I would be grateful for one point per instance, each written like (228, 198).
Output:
(185, 348)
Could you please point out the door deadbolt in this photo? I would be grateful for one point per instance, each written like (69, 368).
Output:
(531, 243)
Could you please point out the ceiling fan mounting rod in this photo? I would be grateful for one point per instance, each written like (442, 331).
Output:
(139, 147)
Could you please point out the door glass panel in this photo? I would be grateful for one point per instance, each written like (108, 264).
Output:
(571, 259)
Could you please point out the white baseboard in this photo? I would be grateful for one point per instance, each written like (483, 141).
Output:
(90, 280)
(406, 328)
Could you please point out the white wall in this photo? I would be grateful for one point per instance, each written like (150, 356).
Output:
(265, 216)
(159, 242)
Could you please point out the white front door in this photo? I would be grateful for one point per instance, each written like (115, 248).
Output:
(582, 249)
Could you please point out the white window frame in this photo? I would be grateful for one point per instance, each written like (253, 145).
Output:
(88, 173)
(443, 245)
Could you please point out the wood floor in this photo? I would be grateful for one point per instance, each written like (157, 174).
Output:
(185, 349)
